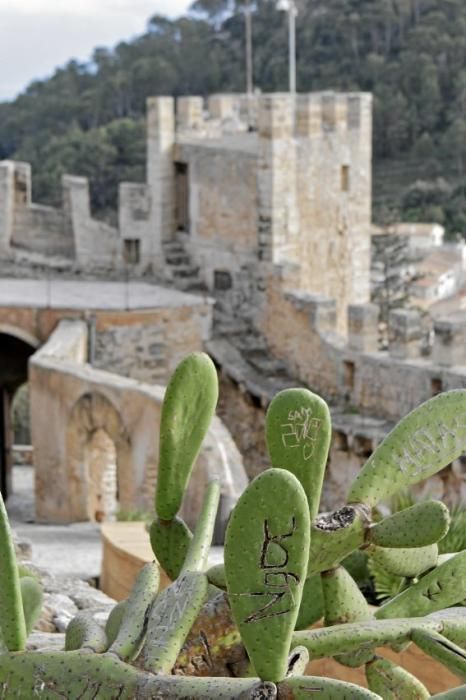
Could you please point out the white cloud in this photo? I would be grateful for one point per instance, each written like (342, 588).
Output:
(36, 36)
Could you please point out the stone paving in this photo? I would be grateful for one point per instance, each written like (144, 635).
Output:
(62, 550)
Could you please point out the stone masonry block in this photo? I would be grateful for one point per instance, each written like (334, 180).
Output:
(363, 322)
(404, 334)
(322, 310)
(450, 341)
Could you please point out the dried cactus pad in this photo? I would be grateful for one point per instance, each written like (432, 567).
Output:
(429, 438)
(188, 407)
(298, 432)
(266, 554)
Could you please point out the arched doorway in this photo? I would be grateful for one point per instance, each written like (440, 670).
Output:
(98, 449)
(15, 350)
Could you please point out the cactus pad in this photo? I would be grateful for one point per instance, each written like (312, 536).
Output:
(170, 540)
(419, 526)
(392, 682)
(298, 432)
(188, 408)
(425, 441)
(266, 553)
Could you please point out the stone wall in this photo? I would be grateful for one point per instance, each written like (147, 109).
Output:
(144, 344)
(78, 400)
(302, 331)
(222, 207)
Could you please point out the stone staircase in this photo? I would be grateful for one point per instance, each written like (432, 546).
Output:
(180, 270)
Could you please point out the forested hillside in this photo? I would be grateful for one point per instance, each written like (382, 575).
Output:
(88, 118)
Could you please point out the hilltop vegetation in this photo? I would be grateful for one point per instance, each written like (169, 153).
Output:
(88, 118)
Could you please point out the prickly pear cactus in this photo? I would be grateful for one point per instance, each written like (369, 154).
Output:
(281, 572)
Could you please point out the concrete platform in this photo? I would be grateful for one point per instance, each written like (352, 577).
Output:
(93, 295)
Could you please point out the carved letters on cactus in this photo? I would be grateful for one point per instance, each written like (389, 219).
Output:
(428, 439)
(298, 432)
(266, 553)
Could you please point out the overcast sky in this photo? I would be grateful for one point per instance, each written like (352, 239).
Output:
(36, 36)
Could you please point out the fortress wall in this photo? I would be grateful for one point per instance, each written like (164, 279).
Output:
(78, 400)
(23, 224)
(301, 330)
(147, 346)
(222, 208)
(333, 146)
(96, 243)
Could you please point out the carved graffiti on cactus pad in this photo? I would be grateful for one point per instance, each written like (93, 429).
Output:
(301, 431)
(277, 580)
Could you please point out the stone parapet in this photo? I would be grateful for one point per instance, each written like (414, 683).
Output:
(190, 112)
(363, 321)
(404, 334)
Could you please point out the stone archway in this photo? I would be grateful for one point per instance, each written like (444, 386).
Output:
(98, 459)
(16, 347)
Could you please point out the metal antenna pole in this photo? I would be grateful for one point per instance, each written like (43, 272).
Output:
(249, 54)
(292, 12)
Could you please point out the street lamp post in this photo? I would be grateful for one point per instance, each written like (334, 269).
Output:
(290, 7)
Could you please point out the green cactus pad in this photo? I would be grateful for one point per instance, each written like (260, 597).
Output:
(216, 576)
(419, 526)
(441, 649)
(405, 562)
(298, 432)
(429, 438)
(454, 624)
(170, 540)
(12, 623)
(113, 624)
(312, 603)
(344, 639)
(266, 553)
(80, 676)
(305, 687)
(392, 682)
(442, 587)
(32, 596)
(335, 535)
(172, 616)
(84, 632)
(188, 408)
(344, 602)
(134, 621)
(198, 552)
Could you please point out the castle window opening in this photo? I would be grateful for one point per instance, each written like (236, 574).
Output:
(222, 280)
(182, 197)
(348, 374)
(436, 386)
(132, 251)
(345, 178)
